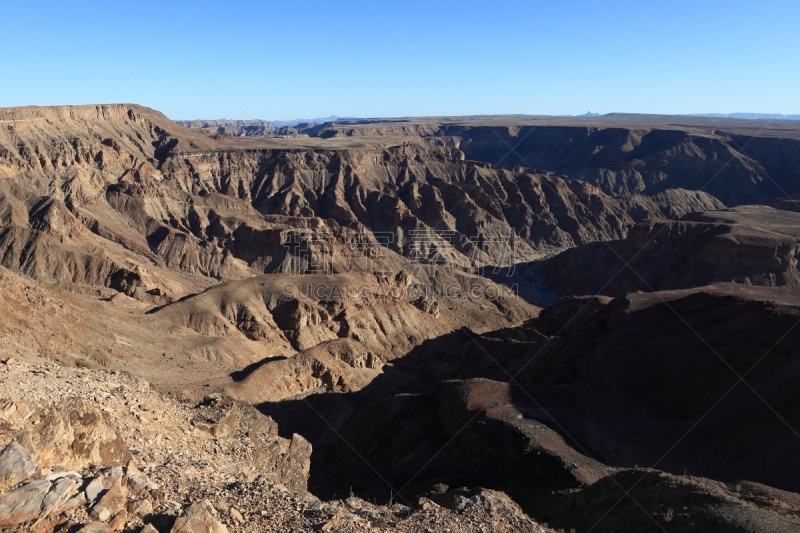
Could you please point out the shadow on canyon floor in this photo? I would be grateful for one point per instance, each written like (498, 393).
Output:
(623, 388)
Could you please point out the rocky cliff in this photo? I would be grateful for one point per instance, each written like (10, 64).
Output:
(117, 196)
(737, 161)
(755, 245)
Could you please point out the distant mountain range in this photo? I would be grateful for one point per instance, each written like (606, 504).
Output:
(295, 122)
(335, 118)
(310, 126)
(261, 128)
(750, 116)
(744, 116)
(260, 122)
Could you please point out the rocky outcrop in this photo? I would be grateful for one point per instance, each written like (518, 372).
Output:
(57, 493)
(279, 460)
(71, 480)
(74, 434)
(113, 500)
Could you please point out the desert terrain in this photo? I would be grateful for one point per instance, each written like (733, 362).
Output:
(495, 323)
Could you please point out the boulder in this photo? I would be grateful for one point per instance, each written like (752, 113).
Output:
(73, 434)
(220, 422)
(296, 465)
(15, 466)
(118, 522)
(137, 484)
(102, 483)
(15, 412)
(141, 507)
(110, 504)
(200, 517)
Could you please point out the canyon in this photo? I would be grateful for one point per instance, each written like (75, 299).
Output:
(503, 323)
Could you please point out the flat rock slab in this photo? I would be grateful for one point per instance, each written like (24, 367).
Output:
(24, 504)
(16, 465)
(62, 490)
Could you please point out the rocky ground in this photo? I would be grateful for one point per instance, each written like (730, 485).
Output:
(96, 449)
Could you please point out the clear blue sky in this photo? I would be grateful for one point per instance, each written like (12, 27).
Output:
(310, 58)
